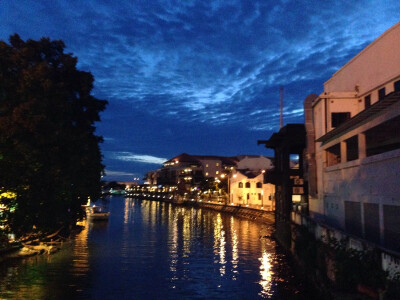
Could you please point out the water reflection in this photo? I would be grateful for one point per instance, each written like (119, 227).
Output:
(219, 243)
(266, 274)
(80, 261)
(155, 250)
(235, 252)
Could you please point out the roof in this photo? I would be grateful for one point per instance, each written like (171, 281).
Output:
(241, 157)
(184, 157)
(291, 134)
(250, 174)
(361, 117)
(224, 159)
(196, 159)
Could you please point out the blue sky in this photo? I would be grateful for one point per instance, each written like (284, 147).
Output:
(200, 77)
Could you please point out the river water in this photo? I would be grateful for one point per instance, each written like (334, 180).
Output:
(156, 250)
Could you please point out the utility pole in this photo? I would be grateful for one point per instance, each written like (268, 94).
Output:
(281, 106)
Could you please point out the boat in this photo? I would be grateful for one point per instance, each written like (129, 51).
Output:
(95, 213)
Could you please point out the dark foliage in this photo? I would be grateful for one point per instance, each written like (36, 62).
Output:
(49, 153)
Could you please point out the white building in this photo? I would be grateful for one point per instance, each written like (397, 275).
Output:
(249, 189)
(246, 183)
(354, 163)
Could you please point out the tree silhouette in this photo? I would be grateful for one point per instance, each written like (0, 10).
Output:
(49, 153)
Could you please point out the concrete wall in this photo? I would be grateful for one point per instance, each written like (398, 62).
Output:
(378, 63)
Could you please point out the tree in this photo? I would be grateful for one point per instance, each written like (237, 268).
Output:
(49, 154)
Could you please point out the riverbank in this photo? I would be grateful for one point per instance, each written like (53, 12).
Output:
(38, 244)
(241, 211)
(306, 255)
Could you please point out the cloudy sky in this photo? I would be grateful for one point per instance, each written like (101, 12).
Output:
(200, 77)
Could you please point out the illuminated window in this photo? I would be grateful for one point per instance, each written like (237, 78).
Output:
(206, 165)
(217, 164)
(247, 185)
(206, 173)
(217, 172)
(240, 185)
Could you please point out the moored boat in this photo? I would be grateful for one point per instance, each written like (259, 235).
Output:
(95, 213)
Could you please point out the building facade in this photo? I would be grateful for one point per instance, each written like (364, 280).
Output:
(248, 188)
(353, 145)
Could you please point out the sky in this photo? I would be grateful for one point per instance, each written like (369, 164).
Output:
(200, 77)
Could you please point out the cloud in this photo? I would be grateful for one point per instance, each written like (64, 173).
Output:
(131, 157)
(118, 173)
(193, 76)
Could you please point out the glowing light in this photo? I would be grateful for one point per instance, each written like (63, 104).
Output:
(266, 274)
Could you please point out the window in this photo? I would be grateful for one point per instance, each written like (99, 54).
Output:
(206, 165)
(339, 117)
(397, 86)
(352, 148)
(352, 215)
(206, 173)
(367, 101)
(217, 164)
(247, 185)
(383, 138)
(259, 185)
(333, 155)
(217, 172)
(259, 196)
(294, 161)
(381, 93)
(391, 223)
(248, 196)
(240, 185)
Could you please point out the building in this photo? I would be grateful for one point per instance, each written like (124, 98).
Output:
(248, 188)
(356, 154)
(246, 182)
(187, 171)
(287, 175)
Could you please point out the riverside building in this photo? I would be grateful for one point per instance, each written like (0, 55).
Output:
(351, 154)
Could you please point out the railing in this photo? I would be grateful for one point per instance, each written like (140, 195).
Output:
(214, 199)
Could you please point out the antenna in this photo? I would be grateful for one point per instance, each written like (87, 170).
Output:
(281, 106)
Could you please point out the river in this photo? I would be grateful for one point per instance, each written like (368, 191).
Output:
(157, 250)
